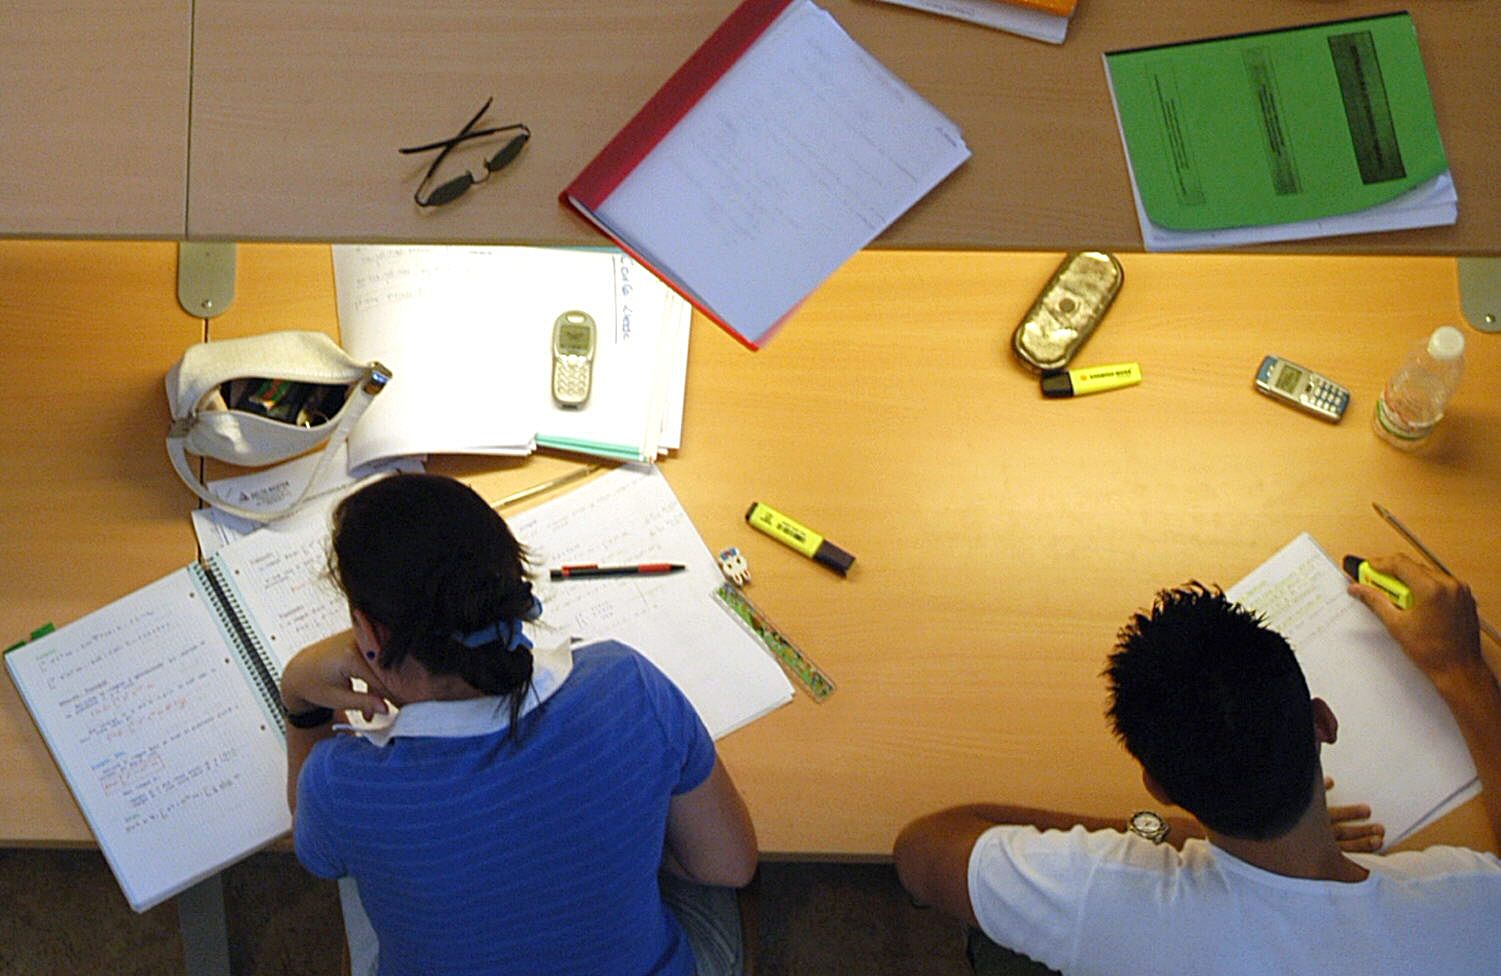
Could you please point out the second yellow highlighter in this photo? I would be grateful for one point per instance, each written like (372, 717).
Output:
(790, 532)
(1094, 379)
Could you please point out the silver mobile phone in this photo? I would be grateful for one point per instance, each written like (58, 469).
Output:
(573, 337)
(1302, 387)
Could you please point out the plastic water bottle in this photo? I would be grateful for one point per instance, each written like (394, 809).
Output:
(1414, 398)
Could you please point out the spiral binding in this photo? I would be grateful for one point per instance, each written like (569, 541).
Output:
(246, 643)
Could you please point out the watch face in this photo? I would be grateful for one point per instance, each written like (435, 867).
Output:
(1148, 824)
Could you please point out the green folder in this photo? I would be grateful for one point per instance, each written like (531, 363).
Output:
(1277, 126)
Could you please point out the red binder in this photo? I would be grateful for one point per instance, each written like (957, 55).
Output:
(672, 101)
(777, 151)
(665, 109)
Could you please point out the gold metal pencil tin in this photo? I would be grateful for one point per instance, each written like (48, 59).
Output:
(1068, 310)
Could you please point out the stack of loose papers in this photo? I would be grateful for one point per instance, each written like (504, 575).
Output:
(1399, 748)
(467, 334)
(1042, 20)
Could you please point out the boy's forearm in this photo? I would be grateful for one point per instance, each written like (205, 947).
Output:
(1042, 819)
(1474, 698)
(1183, 828)
(932, 853)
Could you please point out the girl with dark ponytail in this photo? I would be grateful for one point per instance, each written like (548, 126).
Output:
(529, 809)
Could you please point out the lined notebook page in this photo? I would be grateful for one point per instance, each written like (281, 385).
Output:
(629, 516)
(279, 573)
(160, 737)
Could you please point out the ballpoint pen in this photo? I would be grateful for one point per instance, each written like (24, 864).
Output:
(549, 485)
(1438, 564)
(640, 569)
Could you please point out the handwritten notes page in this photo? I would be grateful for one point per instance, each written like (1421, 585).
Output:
(280, 575)
(801, 154)
(155, 721)
(631, 515)
(467, 333)
(1399, 749)
(170, 757)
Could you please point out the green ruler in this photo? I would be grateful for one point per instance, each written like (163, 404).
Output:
(818, 685)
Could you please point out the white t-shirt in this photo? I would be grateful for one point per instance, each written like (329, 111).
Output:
(1113, 903)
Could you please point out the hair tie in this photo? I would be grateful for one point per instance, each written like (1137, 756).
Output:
(507, 630)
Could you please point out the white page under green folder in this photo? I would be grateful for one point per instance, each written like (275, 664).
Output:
(1279, 126)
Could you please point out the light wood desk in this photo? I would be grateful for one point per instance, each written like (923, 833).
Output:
(298, 107)
(1001, 539)
(89, 508)
(94, 98)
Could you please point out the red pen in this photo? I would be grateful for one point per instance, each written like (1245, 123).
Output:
(640, 569)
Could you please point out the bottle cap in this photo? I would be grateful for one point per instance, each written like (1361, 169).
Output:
(1447, 342)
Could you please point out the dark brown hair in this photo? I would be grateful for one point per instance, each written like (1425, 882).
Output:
(426, 559)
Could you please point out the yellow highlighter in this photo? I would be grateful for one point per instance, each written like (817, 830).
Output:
(1361, 572)
(799, 537)
(1095, 379)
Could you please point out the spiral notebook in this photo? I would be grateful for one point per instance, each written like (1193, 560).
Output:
(162, 709)
(162, 712)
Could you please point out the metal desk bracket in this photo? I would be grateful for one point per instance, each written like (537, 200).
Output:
(205, 277)
(205, 935)
(1480, 292)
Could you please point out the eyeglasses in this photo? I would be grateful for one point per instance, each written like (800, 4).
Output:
(453, 189)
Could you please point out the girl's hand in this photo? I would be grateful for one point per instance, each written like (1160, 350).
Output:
(321, 675)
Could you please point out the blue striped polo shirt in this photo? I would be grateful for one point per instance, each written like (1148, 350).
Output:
(477, 854)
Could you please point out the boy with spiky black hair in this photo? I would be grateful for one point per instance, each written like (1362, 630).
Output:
(1265, 878)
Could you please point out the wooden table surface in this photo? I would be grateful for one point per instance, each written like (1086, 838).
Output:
(90, 508)
(1001, 539)
(298, 108)
(280, 119)
(94, 100)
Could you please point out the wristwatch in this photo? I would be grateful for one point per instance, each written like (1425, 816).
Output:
(1146, 823)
